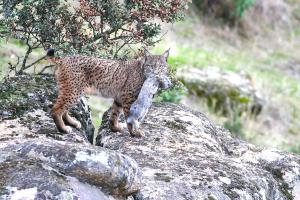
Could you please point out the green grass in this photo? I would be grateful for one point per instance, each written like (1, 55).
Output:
(259, 69)
(202, 58)
(98, 107)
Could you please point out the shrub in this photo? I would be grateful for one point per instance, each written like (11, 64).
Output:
(92, 27)
(235, 126)
(173, 95)
(241, 6)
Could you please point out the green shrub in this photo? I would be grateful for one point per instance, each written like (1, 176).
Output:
(92, 27)
(234, 122)
(235, 126)
(241, 6)
(173, 95)
(294, 149)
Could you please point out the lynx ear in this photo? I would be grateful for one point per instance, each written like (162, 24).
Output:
(142, 61)
(166, 54)
(146, 52)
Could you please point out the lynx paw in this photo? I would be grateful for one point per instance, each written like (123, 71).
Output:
(137, 133)
(118, 128)
(67, 129)
(77, 124)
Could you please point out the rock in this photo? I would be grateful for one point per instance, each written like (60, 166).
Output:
(38, 162)
(27, 99)
(226, 92)
(185, 156)
(50, 169)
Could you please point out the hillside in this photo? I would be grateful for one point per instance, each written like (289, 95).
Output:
(265, 47)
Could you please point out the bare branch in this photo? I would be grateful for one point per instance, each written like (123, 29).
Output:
(29, 50)
(13, 67)
(118, 50)
(46, 67)
(35, 62)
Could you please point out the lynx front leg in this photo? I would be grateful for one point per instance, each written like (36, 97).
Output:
(114, 118)
(60, 109)
(127, 102)
(57, 111)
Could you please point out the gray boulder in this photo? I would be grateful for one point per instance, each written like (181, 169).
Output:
(183, 155)
(49, 169)
(226, 92)
(28, 100)
(38, 162)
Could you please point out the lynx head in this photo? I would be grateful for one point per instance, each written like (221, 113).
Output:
(157, 65)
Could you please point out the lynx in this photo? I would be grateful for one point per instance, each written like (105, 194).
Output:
(117, 79)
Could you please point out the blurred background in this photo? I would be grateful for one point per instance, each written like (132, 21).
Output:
(240, 64)
(237, 61)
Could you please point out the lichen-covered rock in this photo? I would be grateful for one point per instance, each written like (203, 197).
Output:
(38, 162)
(224, 91)
(26, 99)
(50, 169)
(185, 156)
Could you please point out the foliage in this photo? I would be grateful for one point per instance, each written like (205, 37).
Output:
(294, 149)
(173, 95)
(234, 124)
(91, 27)
(228, 10)
(24, 93)
(241, 6)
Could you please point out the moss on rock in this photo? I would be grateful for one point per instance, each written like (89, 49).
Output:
(224, 92)
(25, 93)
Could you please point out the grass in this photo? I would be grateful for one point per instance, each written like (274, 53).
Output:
(98, 107)
(259, 69)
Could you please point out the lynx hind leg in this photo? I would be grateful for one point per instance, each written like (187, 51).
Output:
(127, 102)
(114, 118)
(71, 120)
(63, 103)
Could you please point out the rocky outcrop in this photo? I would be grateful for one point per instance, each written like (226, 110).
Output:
(226, 92)
(185, 156)
(49, 169)
(38, 162)
(182, 156)
(27, 101)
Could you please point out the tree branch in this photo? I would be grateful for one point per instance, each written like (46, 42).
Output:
(38, 60)
(44, 69)
(118, 50)
(29, 50)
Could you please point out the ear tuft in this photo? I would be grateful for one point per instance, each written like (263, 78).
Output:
(166, 54)
(146, 52)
